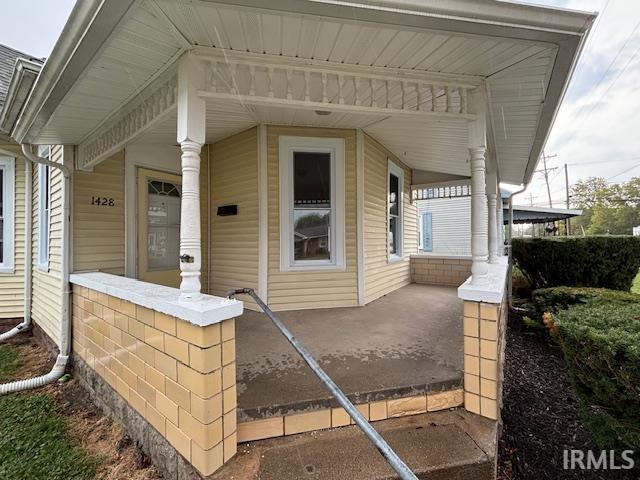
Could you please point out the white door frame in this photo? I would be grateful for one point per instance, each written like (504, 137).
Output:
(165, 158)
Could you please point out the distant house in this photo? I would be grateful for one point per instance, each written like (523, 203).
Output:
(18, 72)
(444, 218)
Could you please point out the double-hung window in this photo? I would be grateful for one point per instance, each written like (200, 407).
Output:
(44, 206)
(395, 211)
(311, 203)
(7, 178)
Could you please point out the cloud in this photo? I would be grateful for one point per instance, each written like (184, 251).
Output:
(596, 131)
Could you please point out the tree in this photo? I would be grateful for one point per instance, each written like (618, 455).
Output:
(607, 208)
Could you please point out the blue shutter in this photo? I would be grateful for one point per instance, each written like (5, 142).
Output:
(427, 239)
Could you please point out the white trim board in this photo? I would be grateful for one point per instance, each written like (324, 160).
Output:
(156, 157)
(335, 147)
(7, 164)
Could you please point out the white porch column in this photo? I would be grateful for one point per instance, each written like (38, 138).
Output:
(492, 187)
(479, 220)
(191, 136)
(500, 212)
(479, 230)
(493, 229)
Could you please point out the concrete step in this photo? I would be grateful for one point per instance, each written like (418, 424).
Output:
(448, 445)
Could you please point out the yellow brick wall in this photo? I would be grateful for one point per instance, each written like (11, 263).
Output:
(180, 377)
(380, 275)
(484, 338)
(431, 270)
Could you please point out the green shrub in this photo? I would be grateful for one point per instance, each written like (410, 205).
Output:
(601, 343)
(559, 298)
(605, 262)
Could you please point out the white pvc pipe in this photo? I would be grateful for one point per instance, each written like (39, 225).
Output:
(65, 322)
(26, 322)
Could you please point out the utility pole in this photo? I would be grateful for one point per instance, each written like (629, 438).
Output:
(567, 222)
(546, 175)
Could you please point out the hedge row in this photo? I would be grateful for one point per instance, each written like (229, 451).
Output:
(560, 298)
(604, 261)
(599, 331)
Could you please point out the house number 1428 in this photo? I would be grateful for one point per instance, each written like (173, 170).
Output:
(103, 201)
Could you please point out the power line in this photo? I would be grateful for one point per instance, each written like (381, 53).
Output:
(623, 172)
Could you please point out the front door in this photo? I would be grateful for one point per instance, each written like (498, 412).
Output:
(159, 196)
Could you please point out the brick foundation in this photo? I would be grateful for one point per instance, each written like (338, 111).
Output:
(440, 270)
(179, 377)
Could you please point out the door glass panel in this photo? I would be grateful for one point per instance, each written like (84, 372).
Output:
(163, 225)
(312, 205)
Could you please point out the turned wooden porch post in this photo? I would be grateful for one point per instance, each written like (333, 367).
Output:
(191, 136)
(492, 198)
(479, 227)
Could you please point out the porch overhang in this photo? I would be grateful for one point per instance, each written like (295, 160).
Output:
(522, 55)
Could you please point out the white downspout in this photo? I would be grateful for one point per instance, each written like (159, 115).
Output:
(65, 322)
(28, 218)
(509, 250)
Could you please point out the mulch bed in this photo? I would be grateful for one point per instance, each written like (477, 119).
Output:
(540, 414)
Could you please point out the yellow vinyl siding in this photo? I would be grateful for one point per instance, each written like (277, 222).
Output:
(234, 239)
(12, 284)
(313, 288)
(98, 231)
(381, 275)
(47, 285)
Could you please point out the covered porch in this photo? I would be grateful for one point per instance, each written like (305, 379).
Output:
(404, 344)
(187, 124)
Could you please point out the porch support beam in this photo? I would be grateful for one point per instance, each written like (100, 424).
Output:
(479, 210)
(191, 111)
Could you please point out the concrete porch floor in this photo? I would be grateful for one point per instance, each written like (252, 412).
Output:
(406, 343)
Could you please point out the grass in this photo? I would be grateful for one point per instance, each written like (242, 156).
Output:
(635, 288)
(9, 362)
(34, 443)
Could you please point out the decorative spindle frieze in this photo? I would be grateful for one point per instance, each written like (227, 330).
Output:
(256, 82)
(158, 101)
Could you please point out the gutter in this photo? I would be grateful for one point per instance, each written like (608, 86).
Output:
(510, 255)
(65, 314)
(25, 73)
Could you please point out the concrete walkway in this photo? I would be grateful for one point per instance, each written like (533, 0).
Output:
(405, 343)
(447, 445)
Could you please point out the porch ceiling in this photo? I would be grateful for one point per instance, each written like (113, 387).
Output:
(525, 63)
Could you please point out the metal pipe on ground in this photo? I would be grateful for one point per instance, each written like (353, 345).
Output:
(383, 447)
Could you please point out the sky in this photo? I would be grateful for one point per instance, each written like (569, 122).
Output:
(597, 130)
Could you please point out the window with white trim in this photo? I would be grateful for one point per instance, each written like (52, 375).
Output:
(7, 199)
(44, 213)
(311, 203)
(395, 211)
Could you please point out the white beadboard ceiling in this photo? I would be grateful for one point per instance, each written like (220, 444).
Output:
(156, 32)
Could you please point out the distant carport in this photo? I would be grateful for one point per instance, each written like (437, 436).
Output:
(522, 214)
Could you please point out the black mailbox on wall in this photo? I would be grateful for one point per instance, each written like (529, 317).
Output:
(227, 210)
